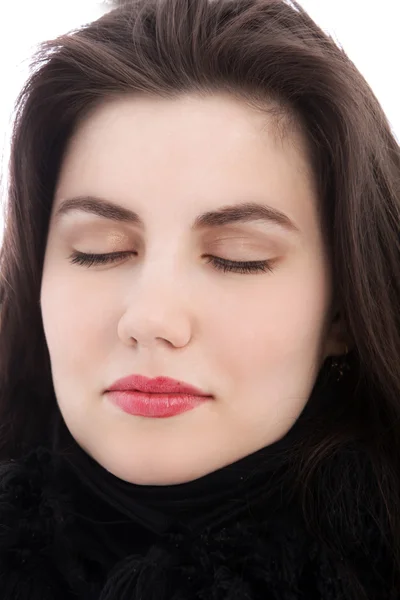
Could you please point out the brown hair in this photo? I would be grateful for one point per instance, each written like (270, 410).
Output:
(272, 54)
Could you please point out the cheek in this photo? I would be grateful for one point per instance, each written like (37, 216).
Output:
(271, 327)
(75, 320)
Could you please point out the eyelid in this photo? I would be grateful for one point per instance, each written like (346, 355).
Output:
(254, 250)
(221, 264)
(108, 239)
(252, 236)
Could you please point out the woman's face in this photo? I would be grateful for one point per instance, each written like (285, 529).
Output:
(253, 340)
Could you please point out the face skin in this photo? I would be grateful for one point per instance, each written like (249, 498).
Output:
(254, 341)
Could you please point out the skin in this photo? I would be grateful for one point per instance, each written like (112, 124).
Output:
(254, 341)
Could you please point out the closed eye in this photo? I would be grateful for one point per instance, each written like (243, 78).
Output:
(222, 264)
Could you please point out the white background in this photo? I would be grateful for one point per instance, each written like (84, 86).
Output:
(368, 32)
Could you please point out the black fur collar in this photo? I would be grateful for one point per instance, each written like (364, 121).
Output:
(56, 547)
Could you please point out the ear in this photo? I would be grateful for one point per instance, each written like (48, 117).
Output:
(337, 341)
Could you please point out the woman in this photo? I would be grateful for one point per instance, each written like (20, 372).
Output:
(200, 328)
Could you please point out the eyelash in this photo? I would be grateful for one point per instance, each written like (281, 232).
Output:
(89, 260)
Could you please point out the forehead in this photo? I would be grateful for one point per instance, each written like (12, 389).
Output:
(214, 149)
(219, 124)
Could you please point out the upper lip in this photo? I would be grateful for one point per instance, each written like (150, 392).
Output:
(157, 385)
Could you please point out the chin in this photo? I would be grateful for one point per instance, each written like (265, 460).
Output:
(145, 472)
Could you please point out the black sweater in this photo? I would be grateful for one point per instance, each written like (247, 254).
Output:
(59, 541)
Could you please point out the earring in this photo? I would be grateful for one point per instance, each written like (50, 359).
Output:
(339, 365)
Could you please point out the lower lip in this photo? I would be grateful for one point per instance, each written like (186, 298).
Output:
(155, 405)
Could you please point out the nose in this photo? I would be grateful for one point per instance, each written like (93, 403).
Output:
(157, 313)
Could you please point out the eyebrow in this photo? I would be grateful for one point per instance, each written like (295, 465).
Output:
(226, 215)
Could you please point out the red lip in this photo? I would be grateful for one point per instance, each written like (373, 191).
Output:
(158, 385)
